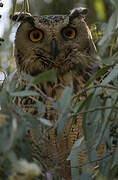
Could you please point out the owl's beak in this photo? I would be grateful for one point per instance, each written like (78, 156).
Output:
(54, 48)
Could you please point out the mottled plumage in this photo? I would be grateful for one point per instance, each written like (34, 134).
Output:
(64, 43)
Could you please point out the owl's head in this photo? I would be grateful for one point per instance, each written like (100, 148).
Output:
(54, 41)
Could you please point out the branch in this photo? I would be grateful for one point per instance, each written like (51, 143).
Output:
(42, 93)
(99, 108)
(94, 87)
(84, 164)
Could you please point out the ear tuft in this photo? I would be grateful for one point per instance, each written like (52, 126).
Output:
(19, 16)
(78, 12)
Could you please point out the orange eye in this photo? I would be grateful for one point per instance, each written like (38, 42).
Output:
(69, 33)
(36, 35)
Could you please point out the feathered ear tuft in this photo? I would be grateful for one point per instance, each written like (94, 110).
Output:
(78, 12)
(19, 17)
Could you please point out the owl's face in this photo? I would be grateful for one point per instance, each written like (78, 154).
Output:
(54, 41)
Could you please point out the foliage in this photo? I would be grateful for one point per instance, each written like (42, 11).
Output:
(99, 109)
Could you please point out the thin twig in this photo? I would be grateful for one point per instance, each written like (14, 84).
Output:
(95, 109)
(42, 93)
(94, 87)
(94, 160)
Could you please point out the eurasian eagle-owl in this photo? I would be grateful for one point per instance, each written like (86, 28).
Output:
(63, 43)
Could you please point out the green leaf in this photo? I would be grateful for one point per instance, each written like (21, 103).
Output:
(73, 157)
(115, 157)
(106, 165)
(85, 102)
(76, 146)
(47, 76)
(91, 120)
(115, 3)
(92, 157)
(75, 167)
(12, 82)
(111, 27)
(109, 61)
(24, 93)
(33, 124)
(45, 122)
(65, 102)
(26, 5)
(41, 108)
(14, 6)
(97, 75)
(105, 120)
(109, 30)
(85, 175)
(113, 74)
(12, 157)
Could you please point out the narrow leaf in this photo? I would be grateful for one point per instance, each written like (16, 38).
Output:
(14, 6)
(45, 122)
(115, 158)
(97, 75)
(73, 157)
(24, 93)
(76, 145)
(113, 74)
(65, 102)
(44, 77)
(41, 108)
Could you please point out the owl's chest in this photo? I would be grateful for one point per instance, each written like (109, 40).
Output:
(53, 150)
(55, 90)
(49, 92)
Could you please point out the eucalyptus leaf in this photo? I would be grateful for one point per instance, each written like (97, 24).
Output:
(47, 76)
(26, 6)
(41, 108)
(115, 3)
(92, 157)
(105, 165)
(109, 30)
(91, 120)
(76, 145)
(24, 93)
(73, 157)
(85, 102)
(85, 176)
(110, 61)
(112, 25)
(45, 122)
(14, 6)
(75, 166)
(12, 81)
(113, 74)
(97, 75)
(115, 158)
(65, 102)
(12, 157)
(34, 125)
(104, 120)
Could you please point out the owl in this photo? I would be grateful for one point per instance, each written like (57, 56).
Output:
(63, 43)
